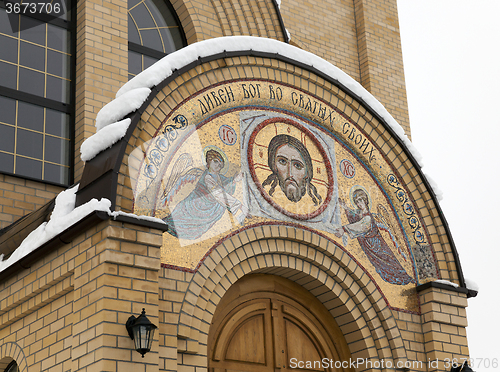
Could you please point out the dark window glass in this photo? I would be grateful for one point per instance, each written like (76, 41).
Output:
(6, 162)
(56, 173)
(8, 106)
(151, 39)
(29, 143)
(56, 150)
(33, 30)
(57, 123)
(168, 40)
(162, 14)
(36, 60)
(142, 16)
(57, 38)
(177, 38)
(8, 49)
(134, 62)
(8, 75)
(57, 89)
(32, 56)
(57, 63)
(7, 138)
(148, 61)
(133, 32)
(31, 82)
(28, 167)
(64, 13)
(30, 116)
(152, 24)
(5, 26)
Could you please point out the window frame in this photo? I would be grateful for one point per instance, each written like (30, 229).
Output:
(47, 103)
(154, 53)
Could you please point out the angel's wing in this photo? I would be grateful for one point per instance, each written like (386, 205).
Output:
(184, 162)
(182, 173)
(385, 218)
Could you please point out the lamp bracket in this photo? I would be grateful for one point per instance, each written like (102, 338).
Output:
(130, 322)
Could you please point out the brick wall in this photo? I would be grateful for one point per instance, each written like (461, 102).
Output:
(19, 196)
(101, 63)
(67, 312)
(443, 324)
(361, 38)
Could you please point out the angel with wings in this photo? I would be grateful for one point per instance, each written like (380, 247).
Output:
(206, 204)
(366, 228)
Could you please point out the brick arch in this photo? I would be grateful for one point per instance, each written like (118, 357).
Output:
(190, 22)
(204, 74)
(209, 73)
(11, 351)
(317, 264)
(229, 18)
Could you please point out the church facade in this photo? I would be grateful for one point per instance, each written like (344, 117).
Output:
(253, 191)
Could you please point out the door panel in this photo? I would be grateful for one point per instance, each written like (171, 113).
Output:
(264, 321)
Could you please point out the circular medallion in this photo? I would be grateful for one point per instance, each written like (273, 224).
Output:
(227, 135)
(347, 168)
(290, 168)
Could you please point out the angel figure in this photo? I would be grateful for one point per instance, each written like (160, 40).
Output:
(366, 226)
(206, 204)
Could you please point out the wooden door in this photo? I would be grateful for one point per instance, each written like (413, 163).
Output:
(267, 323)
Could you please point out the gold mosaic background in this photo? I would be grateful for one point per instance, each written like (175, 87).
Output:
(195, 126)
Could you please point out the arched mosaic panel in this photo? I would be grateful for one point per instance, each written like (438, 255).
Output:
(248, 152)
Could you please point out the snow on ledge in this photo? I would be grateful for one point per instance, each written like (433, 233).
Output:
(103, 139)
(121, 106)
(182, 57)
(441, 281)
(138, 217)
(470, 284)
(434, 187)
(63, 216)
(133, 93)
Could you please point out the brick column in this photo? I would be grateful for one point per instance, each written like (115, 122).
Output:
(101, 63)
(116, 275)
(443, 324)
(381, 57)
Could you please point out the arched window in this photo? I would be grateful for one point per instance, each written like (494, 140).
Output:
(153, 32)
(12, 367)
(36, 99)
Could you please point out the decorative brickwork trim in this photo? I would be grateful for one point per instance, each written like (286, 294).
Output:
(11, 351)
(206, 73)
(309, 260)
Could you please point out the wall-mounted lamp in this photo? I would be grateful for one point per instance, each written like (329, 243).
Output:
(141, 330)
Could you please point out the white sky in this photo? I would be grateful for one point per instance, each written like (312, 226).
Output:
(451, 52)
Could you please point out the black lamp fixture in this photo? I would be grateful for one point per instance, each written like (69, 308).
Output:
(141, 330)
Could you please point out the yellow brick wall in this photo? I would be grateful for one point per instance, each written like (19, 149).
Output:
(203, 20)
(326, 28)
(361, 38)
(101, 63)
(444, 321)
(381, 57)
(67, 312)
(19, 196)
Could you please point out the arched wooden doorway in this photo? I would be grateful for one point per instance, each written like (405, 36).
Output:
(268, 323)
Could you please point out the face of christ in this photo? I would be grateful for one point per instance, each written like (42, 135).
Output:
(291, 171)
(291, 166)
